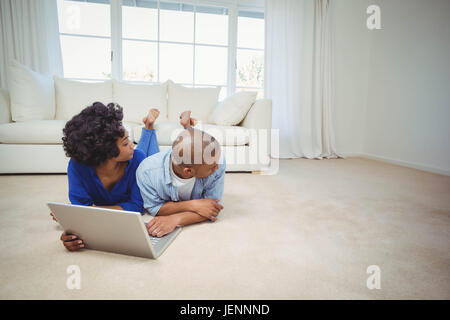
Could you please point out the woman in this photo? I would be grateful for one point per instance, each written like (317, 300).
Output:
(103, 164)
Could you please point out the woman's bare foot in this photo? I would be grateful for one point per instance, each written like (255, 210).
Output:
(149, 120)
(186, 121)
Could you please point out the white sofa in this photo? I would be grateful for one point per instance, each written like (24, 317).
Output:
(35, 145)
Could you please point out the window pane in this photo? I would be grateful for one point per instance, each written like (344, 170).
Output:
(176, 25)
(211, 29)
(139, 3)
(211, 65)
(84, 18)
(176, 62)
(139, 23)
(250, 68)
(140, 60)
(250, 33)
(86, 57)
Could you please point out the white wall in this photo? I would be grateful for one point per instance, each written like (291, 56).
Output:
(351, 47)
(408, 105)
(393, 84)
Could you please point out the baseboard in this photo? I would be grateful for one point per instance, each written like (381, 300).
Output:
(350, 154)
(406, 164)
(395, 161)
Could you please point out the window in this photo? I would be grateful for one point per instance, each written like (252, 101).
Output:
(250, 52)
(172, 40)
(85, 35)
(194, 43)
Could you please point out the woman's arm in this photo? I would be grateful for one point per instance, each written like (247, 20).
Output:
(77, 190)
(109, 207)
(135, 202)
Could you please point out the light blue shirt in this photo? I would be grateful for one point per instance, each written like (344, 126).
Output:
(155, 183)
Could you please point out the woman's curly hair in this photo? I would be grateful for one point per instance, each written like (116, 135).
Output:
(90, 136)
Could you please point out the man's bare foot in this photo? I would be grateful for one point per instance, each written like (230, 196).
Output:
(186, 121)
(149, 120)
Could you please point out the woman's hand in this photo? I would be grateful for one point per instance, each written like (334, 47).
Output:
(162, 225)
(53, 216)
(71, 241)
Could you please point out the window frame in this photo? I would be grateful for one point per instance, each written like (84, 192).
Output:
(116, 39)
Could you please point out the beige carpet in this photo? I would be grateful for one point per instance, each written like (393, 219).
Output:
(309, 232)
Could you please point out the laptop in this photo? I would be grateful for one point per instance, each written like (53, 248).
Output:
(111, 230)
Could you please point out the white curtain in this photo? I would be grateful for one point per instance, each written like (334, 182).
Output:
(299, 76)
(30, 34)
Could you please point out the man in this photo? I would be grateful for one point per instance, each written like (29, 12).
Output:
(183, 185)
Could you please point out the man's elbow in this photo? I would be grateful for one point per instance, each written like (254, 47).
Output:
(153, 210)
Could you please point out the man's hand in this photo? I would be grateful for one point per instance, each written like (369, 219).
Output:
(162, 225)
(208, 208)
(71, 241)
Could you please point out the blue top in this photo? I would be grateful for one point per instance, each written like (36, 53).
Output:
(85, 187)
(155, 182)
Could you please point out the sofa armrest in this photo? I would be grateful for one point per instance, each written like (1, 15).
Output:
(259, 121)
(259, 115)
(5, 107)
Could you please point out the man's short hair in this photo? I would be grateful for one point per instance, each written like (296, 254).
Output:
(194, 147)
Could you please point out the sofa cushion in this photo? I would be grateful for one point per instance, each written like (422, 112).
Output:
(137, 99)
(41, 132)
(32, 132)
(32, 95)
(226, 135)
(201, 101)
(73, 96)
(166, 133)
(232, 110)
